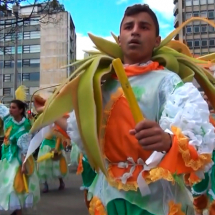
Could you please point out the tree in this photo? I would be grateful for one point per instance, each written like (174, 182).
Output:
(13, 16)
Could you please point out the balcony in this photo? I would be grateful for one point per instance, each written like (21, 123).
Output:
(175, 9)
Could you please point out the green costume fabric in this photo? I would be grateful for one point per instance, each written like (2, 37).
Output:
(49, 169)
(122, 207)
(15, 145)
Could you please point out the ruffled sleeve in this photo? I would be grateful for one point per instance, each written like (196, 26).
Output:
(23, 143)
(73, 131)
(4, 111)
(186, 114)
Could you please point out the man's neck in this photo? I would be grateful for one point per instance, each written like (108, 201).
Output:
(139, 64)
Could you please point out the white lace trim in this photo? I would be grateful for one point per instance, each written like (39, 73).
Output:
(23, 142)
(20, 122)
(186, 109)
(4, 111)
(73, 131)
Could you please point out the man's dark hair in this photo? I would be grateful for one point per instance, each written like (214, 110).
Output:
(139, 8)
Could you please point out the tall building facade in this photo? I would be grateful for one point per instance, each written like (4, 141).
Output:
(45, 45)
(199, 36)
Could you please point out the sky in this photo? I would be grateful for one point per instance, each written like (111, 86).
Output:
(101, 17)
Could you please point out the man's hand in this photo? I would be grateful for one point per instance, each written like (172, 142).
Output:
(151, 136)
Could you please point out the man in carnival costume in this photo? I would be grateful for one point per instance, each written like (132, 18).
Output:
(146, 161)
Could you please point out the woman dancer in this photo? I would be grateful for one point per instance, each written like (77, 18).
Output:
(19, 182)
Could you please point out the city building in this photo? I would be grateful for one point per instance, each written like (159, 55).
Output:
(199, 36)
(45, 43)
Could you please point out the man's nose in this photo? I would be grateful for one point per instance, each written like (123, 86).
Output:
(136, 30)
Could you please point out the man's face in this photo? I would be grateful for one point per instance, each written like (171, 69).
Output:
(138, 38)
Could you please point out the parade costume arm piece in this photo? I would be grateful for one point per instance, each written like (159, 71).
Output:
(23, 143)
(73, 132)
(186, 114)
(4, 111)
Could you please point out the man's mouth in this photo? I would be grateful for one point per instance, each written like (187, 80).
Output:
(134, 41)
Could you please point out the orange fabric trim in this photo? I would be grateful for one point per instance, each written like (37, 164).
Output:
(182, 157)
(59, 129)
(212, 208)
(175, 209)
(80, 168)
(119, 145)
(157, 174)
(96, 207)
(133, 70)
(212, 120)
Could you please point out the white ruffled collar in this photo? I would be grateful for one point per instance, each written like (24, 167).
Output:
(18, 123)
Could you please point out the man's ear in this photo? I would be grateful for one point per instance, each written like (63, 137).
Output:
(119, 41)
(157, 41)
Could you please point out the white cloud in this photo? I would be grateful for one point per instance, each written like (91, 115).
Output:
(85, 43)
(121, 1)
(164, 7)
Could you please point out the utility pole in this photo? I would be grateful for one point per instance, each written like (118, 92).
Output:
(16, 14)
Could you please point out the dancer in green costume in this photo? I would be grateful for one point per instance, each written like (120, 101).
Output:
(14, 194)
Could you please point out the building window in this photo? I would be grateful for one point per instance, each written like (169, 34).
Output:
(210, 1)
(34, 76)
(27, 90)
(7, 37)
(195, 14)
(210, 14)
(188, 16)
(204, 28)
(204, 42)
(26, 49)
(211, 42)
(35, 62)
(8, 50)
(190, 44)
(210, 28)
(7, 64)
(1, 64)
(188, 3)
(26, 22)
(204, 14)
(35, 21)
(195, 2)
(6, 91)
(26, 62)
(203, 2)
(196, 43)
(26, 77)
(35, 34)
(196, 29)
(189, 29)
(19, 50)
(7, 78)
(31, 34)
(34, 48)
(26, 35)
